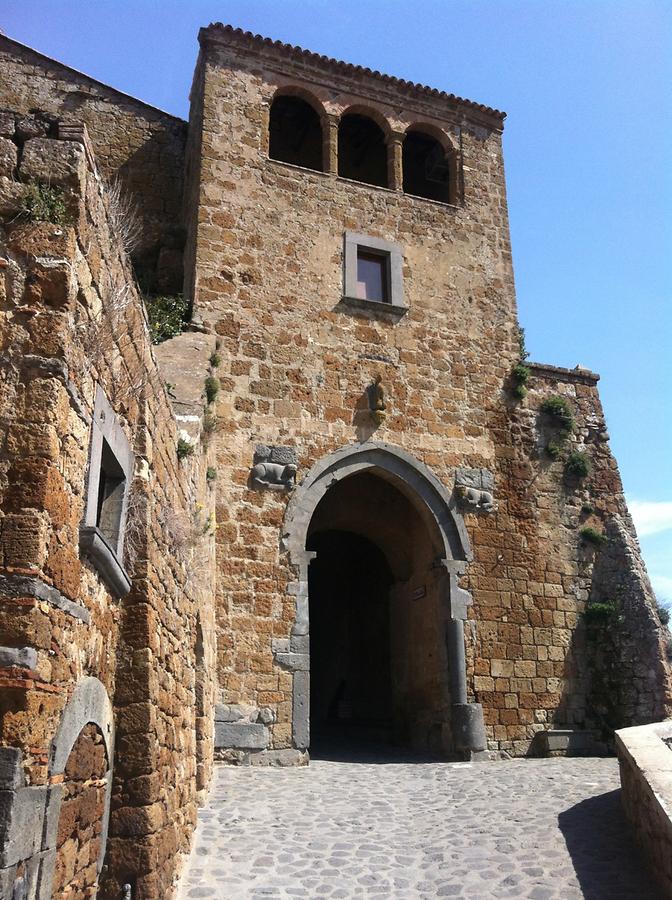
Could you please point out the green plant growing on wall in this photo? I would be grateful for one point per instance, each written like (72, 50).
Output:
(211, 388)
(167, 315)
(663, 615)
(211, 474)
(215, 360)
(594, 537)
(209, 526)
(520, 376)
(601, 613)
(559, 413)
(587, 509)
(521, 344)
(209, 424)
(44, 203)
(184, 448)
(578, 464)
(554, 449)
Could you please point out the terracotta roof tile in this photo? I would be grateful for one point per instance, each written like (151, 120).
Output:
(349, 68)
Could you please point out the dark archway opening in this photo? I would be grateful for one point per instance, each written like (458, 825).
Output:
(295, 133)
(427, 168)
(351, 688)
(378, 657)
(362, 150)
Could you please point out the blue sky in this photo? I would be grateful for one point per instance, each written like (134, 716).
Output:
(588, 150)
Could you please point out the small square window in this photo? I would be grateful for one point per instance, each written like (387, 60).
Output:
(372, 272)
(111, 463)
(372, 280)
(111, 495)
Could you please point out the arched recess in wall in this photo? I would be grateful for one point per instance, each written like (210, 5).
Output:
(295, 129)
(429, 164)
(362, 147)
(81, 751)
(79, 837)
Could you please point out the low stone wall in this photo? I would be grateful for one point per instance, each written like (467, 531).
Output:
(645, 760)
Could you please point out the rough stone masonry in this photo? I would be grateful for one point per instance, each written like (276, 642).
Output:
(339, 508)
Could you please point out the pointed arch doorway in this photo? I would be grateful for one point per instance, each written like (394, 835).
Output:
(378, 545)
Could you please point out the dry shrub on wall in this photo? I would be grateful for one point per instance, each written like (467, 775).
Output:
(107, 341)
(135, 532)
(123, 215)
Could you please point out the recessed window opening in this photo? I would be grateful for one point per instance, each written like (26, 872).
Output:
(111, 492)
(427, 168)
(373, 275)
(295, 133)
(362, 151)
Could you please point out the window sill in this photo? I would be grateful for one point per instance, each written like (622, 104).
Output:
(392, 309)
(93, 543)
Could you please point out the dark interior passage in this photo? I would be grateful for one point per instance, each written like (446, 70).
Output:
(362, 152)
(351, 691)
(295, 133)
(426, 168)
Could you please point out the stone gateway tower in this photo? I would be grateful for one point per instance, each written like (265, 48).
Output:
(339, 507)
(398, 553)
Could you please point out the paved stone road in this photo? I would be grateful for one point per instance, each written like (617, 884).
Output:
(521, 828)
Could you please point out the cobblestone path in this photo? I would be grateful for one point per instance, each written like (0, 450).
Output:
(520, 828)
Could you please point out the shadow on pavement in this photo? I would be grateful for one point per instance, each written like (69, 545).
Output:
(601, 846)
(371, 753)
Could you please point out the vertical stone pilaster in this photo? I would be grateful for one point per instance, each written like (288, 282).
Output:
(395, 171)
(330, 144)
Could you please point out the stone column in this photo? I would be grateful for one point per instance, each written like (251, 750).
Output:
(330, 144)
(466, 718)
(395, 171)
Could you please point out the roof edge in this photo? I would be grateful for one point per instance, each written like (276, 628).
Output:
(422, 91)
(560, 373)
(109, 87)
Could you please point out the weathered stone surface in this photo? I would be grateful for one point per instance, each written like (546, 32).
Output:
(236, 712)
(57, 163)
(23, 657)
(11, 771)
(142, 145)
(8, 158)
(21, 818)
(247, 736)
(11, 196)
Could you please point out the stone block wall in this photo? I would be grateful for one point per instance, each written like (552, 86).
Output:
(75, 652)
(299, 363)
(141, 145)
(536, 659)
(645, 762)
